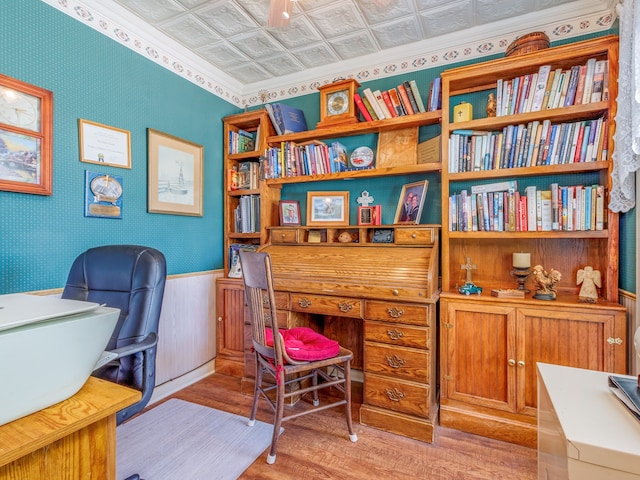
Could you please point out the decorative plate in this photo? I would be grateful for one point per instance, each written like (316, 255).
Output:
(362, 157)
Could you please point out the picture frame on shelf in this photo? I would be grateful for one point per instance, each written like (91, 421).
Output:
(104, 145)
(366, 216)
(175, 175)
(383, 235)
(26, 128)
(411, 202)
(328, 208)
(289, 212)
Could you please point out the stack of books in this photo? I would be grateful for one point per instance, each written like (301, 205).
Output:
(405, 99)
(242, 141)
(314, 157)
(547, 89)
(499, 207)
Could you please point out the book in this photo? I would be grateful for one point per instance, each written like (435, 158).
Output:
(374, 103)
(410, 96)
(580, 86)
(572, 86)
(286, 119)
(235, 268)
(369, 107)
(598, 81)
(377, 94)
(546, 211)
(395, 100)
(416, 95)
(387, 100)
(495, 187)
(435, 101)
(553, 88)
(404, 99)
(588, 80)
(538, 95)
(531, 196)
(362, 108)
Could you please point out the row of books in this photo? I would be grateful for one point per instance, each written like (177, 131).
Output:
(559, 208)
(556, 88)
(292, 159)
(534, 144)
(242, 140)
(247, 214)
(405, 99)
(243, 176)
(235, 267)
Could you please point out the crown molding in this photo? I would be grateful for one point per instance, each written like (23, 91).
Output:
(559, 23)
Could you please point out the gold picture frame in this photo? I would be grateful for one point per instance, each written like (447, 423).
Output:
(411, 202)
(328, 209)
(175, 175)
(26, 129)
(104, 145)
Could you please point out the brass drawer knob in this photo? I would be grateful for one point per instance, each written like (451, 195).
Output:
(394, 394)
(304, 302)
(511, 362)
(345, 307)
(395, 334)
(413, 235)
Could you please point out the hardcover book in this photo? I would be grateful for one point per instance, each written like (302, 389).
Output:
(286, 119)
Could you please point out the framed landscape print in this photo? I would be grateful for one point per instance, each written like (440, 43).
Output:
(175, 175)
(26, 125)
(328, 208)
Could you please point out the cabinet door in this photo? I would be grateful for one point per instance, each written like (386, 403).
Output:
(573, 338)
(478, 342)
(230, 335)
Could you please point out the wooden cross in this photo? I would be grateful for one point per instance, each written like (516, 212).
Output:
(468, 267)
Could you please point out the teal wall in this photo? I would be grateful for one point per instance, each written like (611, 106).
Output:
(95, 78)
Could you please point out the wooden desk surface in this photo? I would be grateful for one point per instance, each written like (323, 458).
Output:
(96, 400)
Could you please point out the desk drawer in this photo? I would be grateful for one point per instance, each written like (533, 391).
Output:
(284, 235)
(326, 305)
(415, 236)
(400, 362)
(397, 334)
(397, 313)
(396, 394)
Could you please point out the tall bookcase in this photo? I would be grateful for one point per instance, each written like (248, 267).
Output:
(489, 346)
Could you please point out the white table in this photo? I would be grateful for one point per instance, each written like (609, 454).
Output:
(584, 430)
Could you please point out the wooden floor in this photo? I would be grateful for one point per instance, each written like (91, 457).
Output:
(318, 447)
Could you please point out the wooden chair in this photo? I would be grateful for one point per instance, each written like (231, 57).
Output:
(270, 345)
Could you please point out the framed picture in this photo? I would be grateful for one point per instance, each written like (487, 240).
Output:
(365, 215)
(26, 126)
(411, 202)
(104, 145)
(103, 195)
(175, 175)
(289, 212)
(328, 208)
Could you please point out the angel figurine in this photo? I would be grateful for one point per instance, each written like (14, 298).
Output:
(545, 282)
(590, 279)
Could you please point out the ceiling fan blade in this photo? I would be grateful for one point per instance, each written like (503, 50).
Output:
(279, 13)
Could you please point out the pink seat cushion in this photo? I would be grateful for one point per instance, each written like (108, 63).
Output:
(305, 344)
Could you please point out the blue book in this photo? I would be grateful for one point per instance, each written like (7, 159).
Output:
(286, 119)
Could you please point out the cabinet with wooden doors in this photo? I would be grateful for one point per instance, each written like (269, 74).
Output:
(490, 345)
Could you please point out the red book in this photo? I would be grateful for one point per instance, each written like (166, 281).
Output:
(580, 87)
(404, 98)
(387, 100)
(395, 100)
(363, 110)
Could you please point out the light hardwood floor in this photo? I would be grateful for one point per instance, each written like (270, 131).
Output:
(317, 446)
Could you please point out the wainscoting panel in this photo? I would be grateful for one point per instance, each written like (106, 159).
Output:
(187, 325)
(628, 300)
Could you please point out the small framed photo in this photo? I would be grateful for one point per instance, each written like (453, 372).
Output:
(411, 202)
(104, 145)
(366, 216)
(289, 212)
(328, 208)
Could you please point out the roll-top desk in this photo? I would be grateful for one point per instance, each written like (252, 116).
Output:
(378, 299)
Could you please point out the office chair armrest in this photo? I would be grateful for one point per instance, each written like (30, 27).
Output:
(109, 355)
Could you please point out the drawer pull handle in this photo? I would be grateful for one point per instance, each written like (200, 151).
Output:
(395, 334)
(395, 312)
(394, 361)
(617, 341)
(394, 395)
(304, 302)
(511, 362)
(413, 235)
(521, 363)
(282, 235)
(395, 292)
(345, 307)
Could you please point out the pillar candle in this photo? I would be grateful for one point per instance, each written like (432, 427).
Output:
(521, 260)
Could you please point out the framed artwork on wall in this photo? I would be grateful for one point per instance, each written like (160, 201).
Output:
(175, 169)
(104, 145)
(328, 208)
(26, 126)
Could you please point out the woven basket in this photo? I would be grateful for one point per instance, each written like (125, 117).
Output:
(528, 43)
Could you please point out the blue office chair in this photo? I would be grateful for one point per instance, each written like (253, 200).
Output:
(131, 278)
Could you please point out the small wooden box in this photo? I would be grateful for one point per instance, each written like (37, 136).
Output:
(397, 147)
